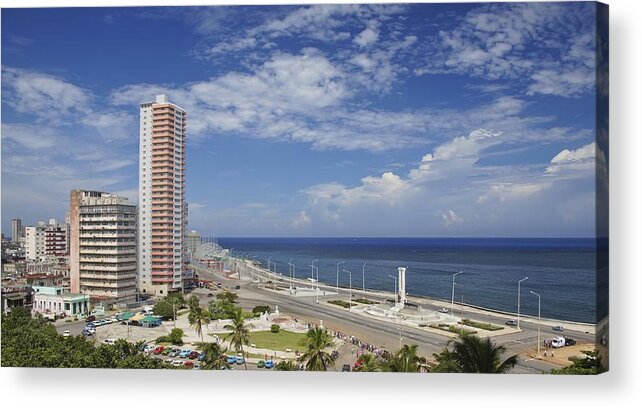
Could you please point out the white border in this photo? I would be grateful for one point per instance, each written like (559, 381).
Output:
(98, 388)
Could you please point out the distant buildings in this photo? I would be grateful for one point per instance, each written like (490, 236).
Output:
(193, 242)
(162, 206)
(102, 250)
(16, 229)
(35, 242)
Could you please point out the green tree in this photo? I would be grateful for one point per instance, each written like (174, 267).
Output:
(589, 365)
(176, 336)
(260, 309)
(471, 354)
(275, 328)
(221, 309)
(405, 360)
(33, 342)
(193, 302)
(286, 365)
(214, 357)
(198, 317)
(317, 340)
(369, 363)
(229, 297)
(239, 332)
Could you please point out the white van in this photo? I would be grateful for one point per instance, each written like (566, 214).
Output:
(558, 342)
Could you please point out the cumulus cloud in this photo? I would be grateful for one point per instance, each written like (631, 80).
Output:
(450, 219)
(580, 159)
(539, 41)
(301, 220)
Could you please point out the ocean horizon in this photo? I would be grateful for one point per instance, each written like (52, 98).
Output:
(561, 270)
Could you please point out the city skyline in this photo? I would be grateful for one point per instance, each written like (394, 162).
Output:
(327, 120)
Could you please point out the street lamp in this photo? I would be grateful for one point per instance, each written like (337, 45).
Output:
(539, 318)
(452, 299)
(518, 293)
(338, 263)
(395, 278)
(350, 300)
(363, 279)
(290, 272)
(312, 265)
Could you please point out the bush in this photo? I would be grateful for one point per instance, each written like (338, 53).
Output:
(275, 328)
(481, 325)
(259, 310)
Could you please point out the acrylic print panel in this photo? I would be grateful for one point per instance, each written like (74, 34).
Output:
(372, 187)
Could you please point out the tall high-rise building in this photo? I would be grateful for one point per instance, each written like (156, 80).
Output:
(102, 247)
(16, 229)
(162, 209)
(35, 242)
(193, 242)
(56, 240)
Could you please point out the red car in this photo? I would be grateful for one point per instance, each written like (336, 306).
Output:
(158, 350)
(189, 364)
(193, 355)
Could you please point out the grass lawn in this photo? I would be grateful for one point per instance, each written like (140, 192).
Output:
(277, 341)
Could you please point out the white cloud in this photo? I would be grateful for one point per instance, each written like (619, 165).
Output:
(542, 42)
(581, 159)
(48, 97)
(367, 37)
(450, 219)
(301, 220)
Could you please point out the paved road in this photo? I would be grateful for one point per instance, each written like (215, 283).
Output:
(387, 334)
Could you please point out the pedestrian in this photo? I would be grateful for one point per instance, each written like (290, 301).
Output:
(552, 353)
(544, 352)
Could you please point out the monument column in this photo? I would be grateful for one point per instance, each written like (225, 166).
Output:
(402, 286)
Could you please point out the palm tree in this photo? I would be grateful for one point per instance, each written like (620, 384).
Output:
(369, 363)
(473, 355)
(405, 360)
(317, 340)
(286, 365)
(214, 357)
(239, 332)
(197, 318)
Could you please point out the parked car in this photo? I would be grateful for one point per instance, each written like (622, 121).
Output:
(96, 323)
(558, 342)
(166, 351)
(558, 328)
(189, 364)
(240, 360)
(201, 356)
(231, 360)
(193, 355)
(174, 352)
(184, 353)
(569, 341)
(66, 333)
(511, 322)
(148, 348)
(177, 362)
(269, 364)
(210, 294)
(218, 285)
(109, 341)
(158, 350)
(443, 310)
(90, 318)
(85, 332)
(260, 364)
(237, 287)
(346, 367)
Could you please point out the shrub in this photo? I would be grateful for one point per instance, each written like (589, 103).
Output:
(481, 325)
(275, 328)
(259, 310)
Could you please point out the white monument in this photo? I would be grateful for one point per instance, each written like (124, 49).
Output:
(402, 287)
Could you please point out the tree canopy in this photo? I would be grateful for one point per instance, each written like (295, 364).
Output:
(33, 342)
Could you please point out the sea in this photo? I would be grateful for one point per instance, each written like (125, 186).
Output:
(561, 270)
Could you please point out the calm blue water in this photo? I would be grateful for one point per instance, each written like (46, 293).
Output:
(561, 270)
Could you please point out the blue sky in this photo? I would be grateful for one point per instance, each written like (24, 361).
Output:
(322, 120)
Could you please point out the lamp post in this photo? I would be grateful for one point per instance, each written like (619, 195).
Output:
(395, 278)
(363, 279)
(452, 299)
(317, 281)
(539, 318)
(338, 263)
(290, 272)
(518, 294)
(350, 299)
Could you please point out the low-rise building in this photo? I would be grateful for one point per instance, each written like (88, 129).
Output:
(16, 296)
(55, 301)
